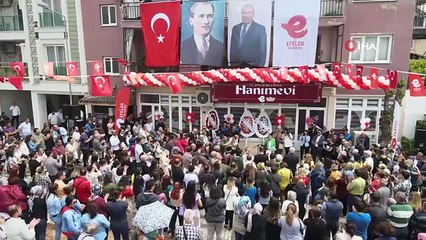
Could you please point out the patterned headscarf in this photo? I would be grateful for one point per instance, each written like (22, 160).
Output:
(97, 189)
(242, 207)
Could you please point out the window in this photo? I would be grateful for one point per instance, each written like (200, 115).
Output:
(56, 54)
(372, 49)
(111, 65)
(108, 15)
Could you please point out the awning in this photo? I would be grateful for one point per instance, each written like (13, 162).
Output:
(103, 101)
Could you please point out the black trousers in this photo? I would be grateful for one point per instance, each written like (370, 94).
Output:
(15, 119)
(86, 154)
(229, 215)
(303, 151)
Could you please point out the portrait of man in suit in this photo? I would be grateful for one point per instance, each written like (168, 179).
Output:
(201, 47)
(248, 40)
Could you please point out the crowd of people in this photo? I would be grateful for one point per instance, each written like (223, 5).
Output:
(92, 180)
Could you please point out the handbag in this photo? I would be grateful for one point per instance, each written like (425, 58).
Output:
(300, 227)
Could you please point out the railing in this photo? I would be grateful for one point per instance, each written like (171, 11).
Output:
(60, 70)
(51, 19)
(7, 71)
(420, 16)
(11, 23)
(131, 11)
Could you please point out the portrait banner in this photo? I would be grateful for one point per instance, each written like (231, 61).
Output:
(249, 32)
(202, 32)
(295, 32)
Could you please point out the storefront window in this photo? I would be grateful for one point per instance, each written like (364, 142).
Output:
(147, 110)
(146, 98)
(341, 119)
(373, 116)
(175, 119)
(290, 118)
(221, 112)
(271, 114)
(356, 117)
(237, 112)
(255, 112)
(185, 124)
(196, 124)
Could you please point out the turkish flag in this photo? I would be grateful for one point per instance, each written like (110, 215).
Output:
(374, 74)
(16, 82)
(72, 69)
(337, 70)
(393, 78)
(348, 68)
(416, 85)
(160, 27)
(48, 69)
(121, 106)
(101, 85)
(359, 70)
(173, 82)
(97, 68)
(19, 68)
(304, 70)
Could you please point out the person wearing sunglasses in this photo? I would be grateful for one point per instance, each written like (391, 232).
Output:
(71, 226)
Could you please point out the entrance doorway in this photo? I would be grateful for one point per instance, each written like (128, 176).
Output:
(317, 115)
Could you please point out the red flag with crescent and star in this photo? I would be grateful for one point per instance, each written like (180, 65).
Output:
(97, 68)
(160, 27)
(72, 69)
(173, 81)
(101, 85)
(19, 68)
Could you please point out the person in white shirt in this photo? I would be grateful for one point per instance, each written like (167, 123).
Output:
(60, 117)
(52, 118)
(138, 150)
(150, 127)
(288, 140)
(115, 142)
(60, 132)
(16, 112)
(25, 128)
(369, 160)
(16, 228)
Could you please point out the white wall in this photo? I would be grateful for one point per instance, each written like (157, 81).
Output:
(22, 99)
(413, 109)
(39, 108)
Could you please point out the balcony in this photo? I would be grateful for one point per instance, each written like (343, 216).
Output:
(11, 23)
(328, 8)
(51, 19)
(7, 71)
(419, 31)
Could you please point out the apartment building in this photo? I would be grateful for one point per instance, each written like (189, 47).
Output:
(110, 29)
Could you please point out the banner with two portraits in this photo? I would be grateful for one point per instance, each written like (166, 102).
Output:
(249, 32)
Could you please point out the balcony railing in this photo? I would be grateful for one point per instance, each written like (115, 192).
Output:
(7, 71)
(131, 11)
(60, 70)
(11, 23)
(420, 16)
(51, 19)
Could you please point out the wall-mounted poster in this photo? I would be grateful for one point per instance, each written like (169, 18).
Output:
(202, 32)
(249, 32)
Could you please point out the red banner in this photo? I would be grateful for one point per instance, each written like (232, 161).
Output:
(266, 93)
(417, 88)
(121, 106)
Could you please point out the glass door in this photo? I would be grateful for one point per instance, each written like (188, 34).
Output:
(317, 115)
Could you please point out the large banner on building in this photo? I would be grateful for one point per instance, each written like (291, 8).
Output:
(121, 107)
(295, 32)
(395, 125)
(249, 32)
(202, 32)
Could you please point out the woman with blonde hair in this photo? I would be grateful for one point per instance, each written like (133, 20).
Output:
(309, 161)
(230, 193)
(291, 226)
(416, 201)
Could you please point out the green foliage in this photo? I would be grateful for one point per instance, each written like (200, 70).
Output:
(408, 145)
(417, 66)
(421, 124)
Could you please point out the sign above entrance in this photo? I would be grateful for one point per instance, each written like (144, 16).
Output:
(266, 93)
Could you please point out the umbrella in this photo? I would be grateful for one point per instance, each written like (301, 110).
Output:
(152, 217)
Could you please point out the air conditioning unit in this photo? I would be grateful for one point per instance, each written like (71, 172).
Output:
(5, 3)
(203, 97)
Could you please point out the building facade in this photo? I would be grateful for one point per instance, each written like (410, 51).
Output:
(109, 29)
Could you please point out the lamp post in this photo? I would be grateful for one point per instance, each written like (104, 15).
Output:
(67, 55)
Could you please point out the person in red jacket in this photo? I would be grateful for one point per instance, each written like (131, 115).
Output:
(83, 188)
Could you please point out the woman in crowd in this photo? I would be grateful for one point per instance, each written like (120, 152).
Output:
(349, 233)
(71, 219)
(54, 206)
(100, 220)
(215, 213)
(272, 213)
(230, 193)
(192, 200)
(256, 223)
(292, 227)
(38, 210)
(16, 228)
(241, 207)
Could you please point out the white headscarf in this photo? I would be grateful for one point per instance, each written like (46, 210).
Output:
(256, 210)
